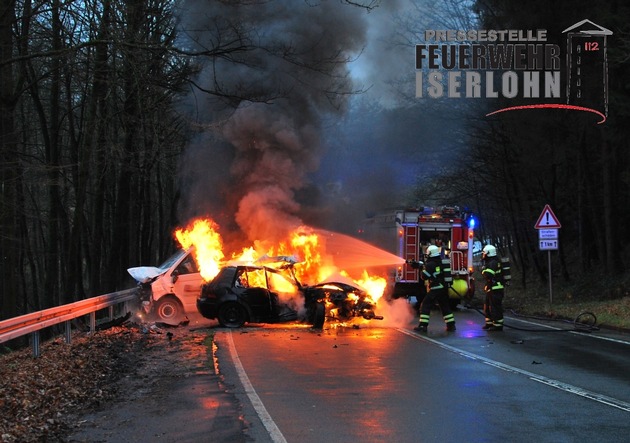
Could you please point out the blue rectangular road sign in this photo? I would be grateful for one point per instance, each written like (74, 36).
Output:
(548, 245)
(547, 234)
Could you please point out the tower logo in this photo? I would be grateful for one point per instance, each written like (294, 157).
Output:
(517, 64)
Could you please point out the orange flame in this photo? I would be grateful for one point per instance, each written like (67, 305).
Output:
(302, 243)
(307, 247)
(247, 255)
(203, 235)
(374, 285)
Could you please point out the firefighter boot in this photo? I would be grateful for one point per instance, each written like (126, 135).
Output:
(488, 324)
(497, 325)
(449, 319)
(424, 323)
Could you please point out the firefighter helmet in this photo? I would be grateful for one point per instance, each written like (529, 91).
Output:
(489, 251)
(433, 251)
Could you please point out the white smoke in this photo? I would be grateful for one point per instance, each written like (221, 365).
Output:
(396, 313)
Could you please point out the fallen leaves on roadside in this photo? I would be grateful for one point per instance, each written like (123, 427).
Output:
(37, 393)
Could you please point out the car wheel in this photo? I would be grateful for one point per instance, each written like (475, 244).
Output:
(232, 315)
(168, 309)
(319, 316)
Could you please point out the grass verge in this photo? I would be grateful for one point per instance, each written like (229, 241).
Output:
(611, 308)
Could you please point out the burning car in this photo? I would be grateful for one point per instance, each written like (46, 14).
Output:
(171, 289)
(272, 294)
(249, 288)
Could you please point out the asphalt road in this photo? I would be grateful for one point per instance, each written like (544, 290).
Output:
(391, 384)
(287, 383)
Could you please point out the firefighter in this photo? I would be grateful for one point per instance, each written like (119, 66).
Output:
(436, 291)
(493, 306)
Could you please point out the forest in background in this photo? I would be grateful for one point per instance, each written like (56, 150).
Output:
(94, 123)
(99, 100)
(521, 162)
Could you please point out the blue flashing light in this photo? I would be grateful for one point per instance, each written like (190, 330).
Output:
(471, 222)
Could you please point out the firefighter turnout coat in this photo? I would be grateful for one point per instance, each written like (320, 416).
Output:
(437, 291)
(495, 284)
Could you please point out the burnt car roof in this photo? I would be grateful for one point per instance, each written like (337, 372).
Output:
(226, 275)
(340, 285)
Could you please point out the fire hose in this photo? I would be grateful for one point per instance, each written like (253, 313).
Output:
(584, 322)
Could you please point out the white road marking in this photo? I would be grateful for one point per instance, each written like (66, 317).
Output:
(619, 404)
(257, 403)
(581, 334)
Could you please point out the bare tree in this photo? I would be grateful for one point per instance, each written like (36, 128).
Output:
(92, 130)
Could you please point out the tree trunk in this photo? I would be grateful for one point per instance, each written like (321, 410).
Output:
(54, 292)
(126, 195)
(8, 166)
(612, 262)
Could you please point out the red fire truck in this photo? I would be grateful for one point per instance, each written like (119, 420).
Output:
(408, 232)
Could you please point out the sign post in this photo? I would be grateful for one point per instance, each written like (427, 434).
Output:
(548, 226)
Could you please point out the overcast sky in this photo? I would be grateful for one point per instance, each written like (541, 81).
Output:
(309, 158)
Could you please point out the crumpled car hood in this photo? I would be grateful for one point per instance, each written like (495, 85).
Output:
(143, 274)
(339, 279)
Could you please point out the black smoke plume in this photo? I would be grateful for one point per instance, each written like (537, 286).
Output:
(274, 69)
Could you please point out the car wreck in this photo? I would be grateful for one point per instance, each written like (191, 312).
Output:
(169, 291)
(242, 294)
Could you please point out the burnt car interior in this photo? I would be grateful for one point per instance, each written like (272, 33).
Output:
(264, 294)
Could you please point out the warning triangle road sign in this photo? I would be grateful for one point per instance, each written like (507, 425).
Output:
(547, 220)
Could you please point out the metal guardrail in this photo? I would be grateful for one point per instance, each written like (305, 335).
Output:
(36, 321)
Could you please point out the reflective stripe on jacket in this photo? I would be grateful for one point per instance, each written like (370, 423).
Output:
(492, 273)
(432, 273)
